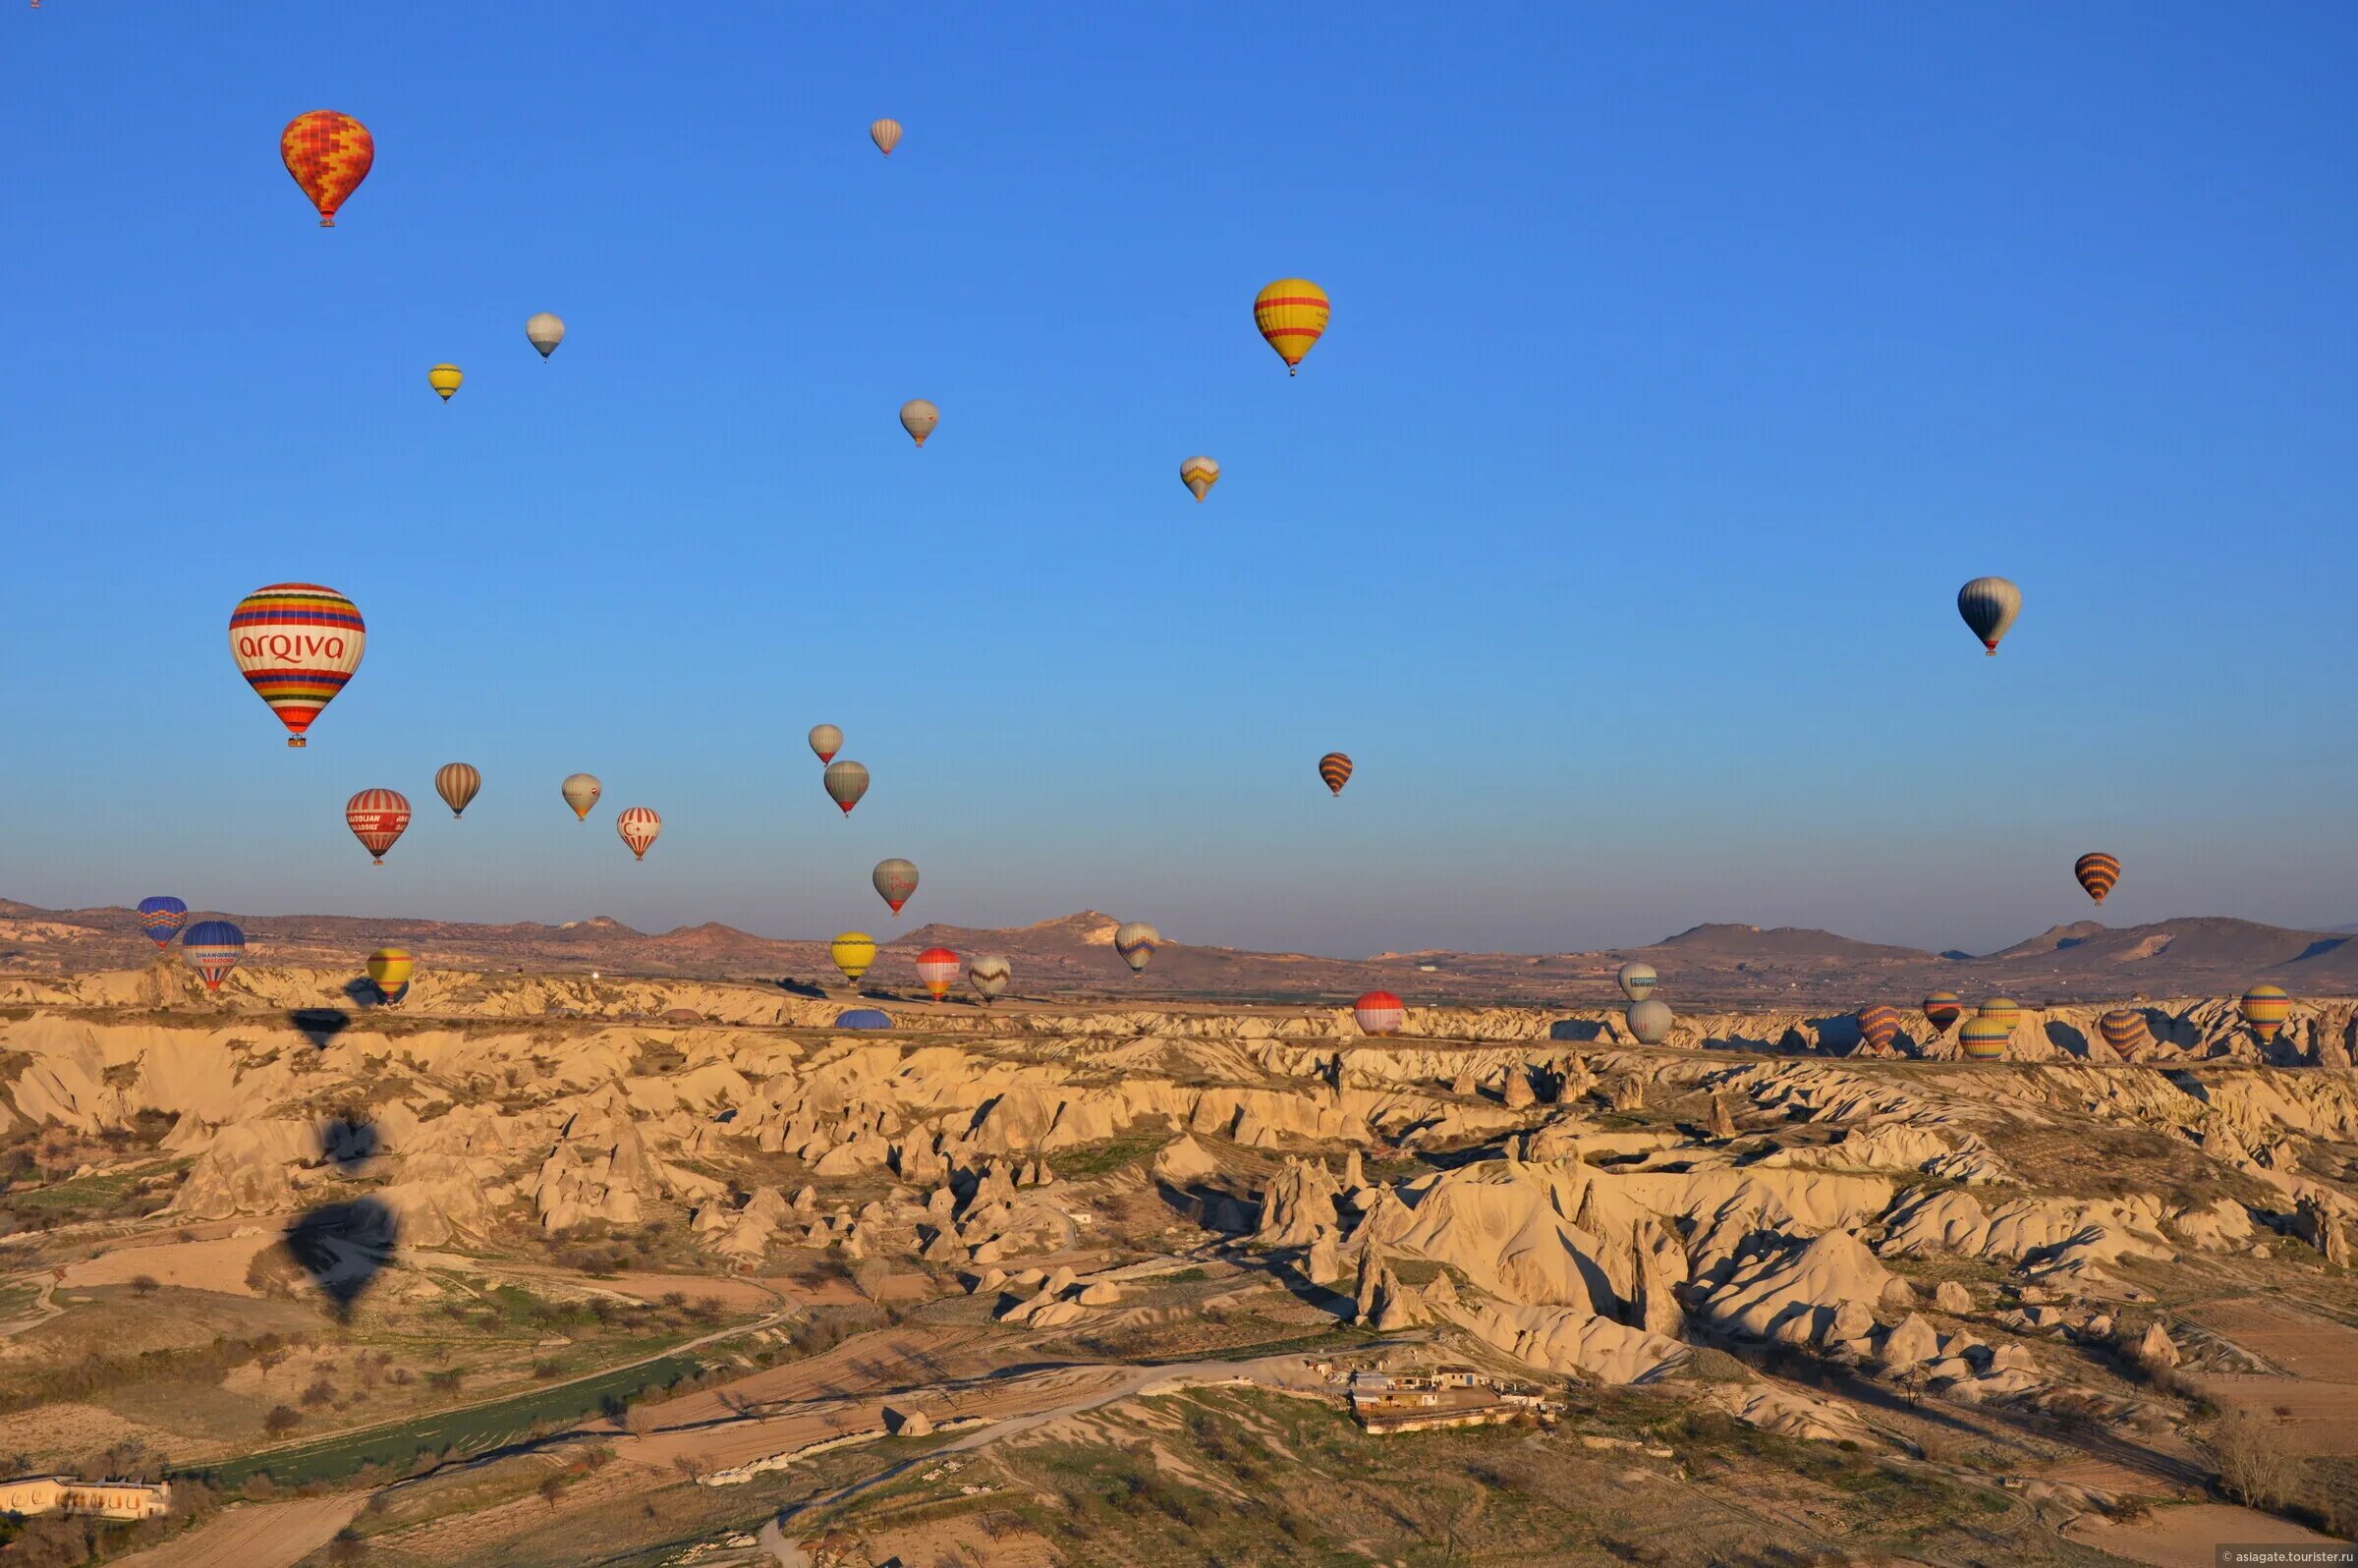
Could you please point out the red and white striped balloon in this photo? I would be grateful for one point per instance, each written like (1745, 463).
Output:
(1380, 1013)
(639, 826)
(377, 819)
(938, 968)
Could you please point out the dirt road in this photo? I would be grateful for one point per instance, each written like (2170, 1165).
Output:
(256, 1536)
(2184, 1537)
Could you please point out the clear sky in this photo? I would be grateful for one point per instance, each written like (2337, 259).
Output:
(1684, 361)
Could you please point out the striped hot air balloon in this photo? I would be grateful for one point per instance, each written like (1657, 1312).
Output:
(1134, 940)
(214, 947)
(389, 970)
(885, 134)
(1878, 1027)
(1651, 1020)
(377, 819)
(445, 380)
(826, 739)
(456, 783)
(987, 974)
(2265, 1008)
(1989, 605)
(895, 881)
(1291, 313)
(329, 154)
(2002, 1010)
(853, 952)
(2097, 873)
(637, 826)
(296, 643)
(162, 917)
(1637, 980)
(864, 1018)
(581, 791)
(1941, 1009)
(1380, 1013)
(2125, 1030)
(937, 970)
(918, 417)
(1199, 474)
(846, 782)
(1334, 771)
(1984, 1038)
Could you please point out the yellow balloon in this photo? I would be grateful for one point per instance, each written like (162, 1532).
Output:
(444, 379)
(853, 952)
(391, 967)
(1291, 313)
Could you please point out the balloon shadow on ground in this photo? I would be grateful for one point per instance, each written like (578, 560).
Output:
(344, 1247)
(2067, 1040)
(795, 987)
(1840, 1033)
(366, 993)
(1580, 1031)
(349, 1142)
(320, 1025)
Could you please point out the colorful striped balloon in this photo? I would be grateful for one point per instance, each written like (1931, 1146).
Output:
(1291, 313)
(1134, 940)
(1879, 1025)
(296, 643)
(329, 154)
(1940, 1009)
(2097, 873)
(1334, 771)
(895, 881)
(846, 781)
(2004, 1010)
(456, 783)
(1985, 1038)
(377, 819)
(214, 947)
(1199, 474)
(162, 917)
(390, 968)
(2125, 1030)
(2265, 1008)
(1380, 1013)
(637, 826)
(936, 970)
(853, 952)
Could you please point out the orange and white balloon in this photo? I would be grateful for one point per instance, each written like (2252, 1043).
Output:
(887, 135)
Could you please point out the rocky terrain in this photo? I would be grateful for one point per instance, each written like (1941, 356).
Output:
(550, 1268)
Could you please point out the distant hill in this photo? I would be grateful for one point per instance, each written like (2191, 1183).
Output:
(1073, 955)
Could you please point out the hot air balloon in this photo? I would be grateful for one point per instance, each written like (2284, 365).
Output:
(2000, 1010)
(1650, 1021)
(581, 791)
(214, 947)
(2125, 1030)
(853, 952)
(390, 968)
(1879, 1025)
(1989, 605)
(544, 332)
(1334, 771)
(296, 643)
(887, 135)
(1637, 980)
(377, 819)
(1941, 1009)
(162, 917)
(1380, 1013)
(1134, 940)
(917, 418)
(456, 783)
(896, 882)
(1199, 474)
(2097, 873)
(988, 974)
(826, 739)
(862, 1017)
(637, 826)
(444, 379)
(846, 782)
(936, 969)
(1291, 312)
(2265, 1008)
(328, 154)
(1984, 1038)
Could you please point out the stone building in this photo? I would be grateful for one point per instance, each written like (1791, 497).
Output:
(71, 1494)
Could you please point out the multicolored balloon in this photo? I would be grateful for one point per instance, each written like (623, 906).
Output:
(581, 791)
(390, 968)
(214, 947)
(2097, 873)
(1334, 771)
(1134, 940)
(1989, 605)
(1637, 980)
(2001, 1010)
(329, 154)
(456, 783)
(298, 645)
(544, 332)
(1291, 313)
(885, 134)
(1879, 1025)
(1380, 1013)
(1983, 1038)
(1941, 1009)
(1199, 474)
(853, 952)
(1651, 1020)
(895, 881)
(863, 1018)
(988, 974)
(2265, 1008)
(445, 380)
(936, 971)
(918, 417)
(826, 739)
(637, 826)
(377, 818)
(846, 782)
(162, 917)
(2126, 1030)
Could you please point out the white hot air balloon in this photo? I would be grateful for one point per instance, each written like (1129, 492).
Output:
(547, 331)
(1650, 1021)
(918, 417)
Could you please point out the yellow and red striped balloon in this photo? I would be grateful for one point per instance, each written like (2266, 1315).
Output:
(1291, 313)
(2265, 1008)
(391, 967)
(1334, 771)
(329, 154)
(2002, 1010)
(2097, 873)
(296, 643)
(937, 970)
(1940, 1009)
(377, 819)
(1199, 475)
(1985, 1038)
(2125, 1030)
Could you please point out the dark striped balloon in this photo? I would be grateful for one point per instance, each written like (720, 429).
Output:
(2097, 873)
(2125, 1030)
(1940, 1009)
(2265, 1008)
(1879, 1025)
(1334, 771)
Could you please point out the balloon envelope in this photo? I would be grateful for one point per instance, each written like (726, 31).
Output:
(1941, 1009)
(2097, 873)
(1380, 1013)
(895, 881)
(1291, 313)
(1134, 940)
(2002, 1010)
(1637, 980)
(862, 1017)
(988, 974)
(1199, 474)
(214, 947)
(162, 917)
(1879, 1025)
(918, 417)
(581, 791)
(1989, 605)
(1650, 1021)
(936, 970)
(2125, 1030)
(853, 952)
(637, 826)
(545, 331)
(296, 643)
(329, 154)
(391, 967)
(1334, 771)
(377, 818)
(887, 135)
(846, 782)
(826, 739)
(456, 783)
(444, 379)
(1983, 1038)
(2265, 1008)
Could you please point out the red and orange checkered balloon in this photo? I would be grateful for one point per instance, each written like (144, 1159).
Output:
(329, 154)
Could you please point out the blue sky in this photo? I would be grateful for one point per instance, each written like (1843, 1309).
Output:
(1684, 361)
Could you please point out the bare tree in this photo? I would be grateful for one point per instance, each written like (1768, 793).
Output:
(2252, 1469)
